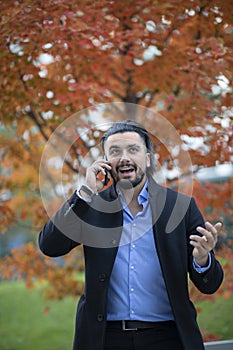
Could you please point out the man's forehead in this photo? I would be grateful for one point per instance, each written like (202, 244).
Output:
(123, 138)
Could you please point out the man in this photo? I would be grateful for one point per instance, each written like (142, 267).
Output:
(136, 291)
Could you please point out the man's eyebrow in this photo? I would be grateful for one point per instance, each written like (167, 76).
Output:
(114, 146)
(134, 145)
(130, 145)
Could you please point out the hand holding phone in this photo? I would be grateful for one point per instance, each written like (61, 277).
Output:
(98, 175)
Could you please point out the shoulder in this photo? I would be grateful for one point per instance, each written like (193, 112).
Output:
(156, 189)
(171, 202)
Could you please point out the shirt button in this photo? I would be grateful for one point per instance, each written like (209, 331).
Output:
(132, 311)
(132, 267)
(132, 289)
(102, 277)
(133, 245)
(134, 225)
(100, 317)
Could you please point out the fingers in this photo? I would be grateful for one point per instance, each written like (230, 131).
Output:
(100, 167)
(202, 242)
(208, 238)
(218, 226)
(92, 178)
(210, 232)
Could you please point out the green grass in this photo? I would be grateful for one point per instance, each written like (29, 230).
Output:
(25, 326)
(217, 317)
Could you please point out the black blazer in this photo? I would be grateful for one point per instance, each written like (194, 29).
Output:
(98, 227)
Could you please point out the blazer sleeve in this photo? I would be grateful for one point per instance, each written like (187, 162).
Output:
(209, 281)
(61, 233)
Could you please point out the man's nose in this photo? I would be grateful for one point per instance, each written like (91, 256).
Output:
(124, 156)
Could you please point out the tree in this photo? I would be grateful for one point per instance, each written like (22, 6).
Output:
(62, 57)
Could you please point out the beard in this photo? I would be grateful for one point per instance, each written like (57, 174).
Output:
(127, 184)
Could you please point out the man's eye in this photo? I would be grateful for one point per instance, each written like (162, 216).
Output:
(133, 149)
(114, 151)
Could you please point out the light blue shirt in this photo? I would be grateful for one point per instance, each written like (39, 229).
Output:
(137, 289)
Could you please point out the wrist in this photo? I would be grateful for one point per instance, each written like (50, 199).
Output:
(86, 192)
(202, 262)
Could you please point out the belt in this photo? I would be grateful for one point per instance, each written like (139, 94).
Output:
(136, 325)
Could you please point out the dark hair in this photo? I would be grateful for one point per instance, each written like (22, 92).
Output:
(132, 126)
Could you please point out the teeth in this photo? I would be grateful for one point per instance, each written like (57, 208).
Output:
(126, 170)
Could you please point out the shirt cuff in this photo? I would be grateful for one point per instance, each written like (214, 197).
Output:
(199, 268)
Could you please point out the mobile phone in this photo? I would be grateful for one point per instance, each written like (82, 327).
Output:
(106, 178)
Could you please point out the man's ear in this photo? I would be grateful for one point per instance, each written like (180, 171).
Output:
(148, 162)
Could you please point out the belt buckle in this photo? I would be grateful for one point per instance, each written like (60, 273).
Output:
(124, 327)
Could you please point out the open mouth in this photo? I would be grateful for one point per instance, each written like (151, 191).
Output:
(126, 170)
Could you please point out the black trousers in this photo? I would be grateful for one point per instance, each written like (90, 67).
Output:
(163, 337)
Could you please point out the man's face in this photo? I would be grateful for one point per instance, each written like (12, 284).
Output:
(128, 157)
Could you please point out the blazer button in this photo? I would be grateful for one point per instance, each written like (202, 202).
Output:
(100, 317)
(102, 277)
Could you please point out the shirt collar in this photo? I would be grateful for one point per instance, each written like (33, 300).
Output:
(142, 197)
